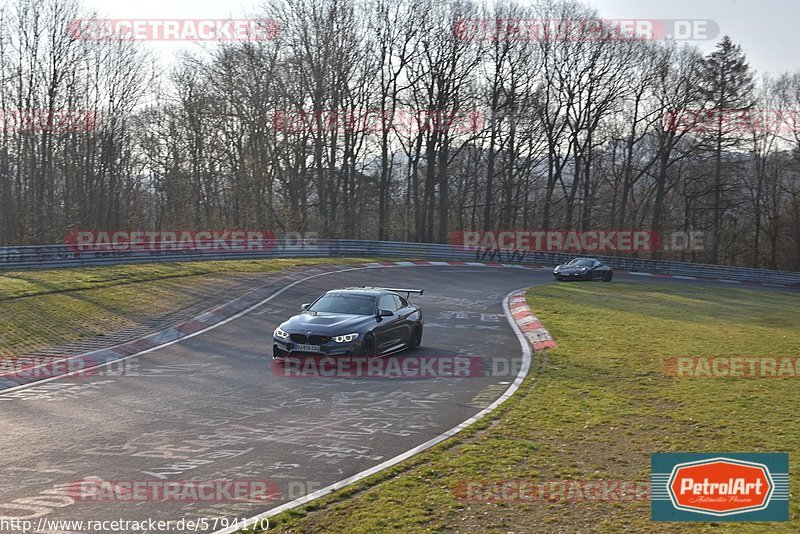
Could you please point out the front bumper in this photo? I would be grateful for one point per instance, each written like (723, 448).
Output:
(284, 348)
(576, 275)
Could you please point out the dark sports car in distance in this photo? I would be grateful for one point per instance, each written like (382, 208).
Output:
(584, 269)
(356, 321)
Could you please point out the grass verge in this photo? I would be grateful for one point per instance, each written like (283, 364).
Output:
(40, 309)
(601, 406)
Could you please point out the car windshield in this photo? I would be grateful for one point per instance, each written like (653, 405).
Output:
(340, 303)
(580, 262)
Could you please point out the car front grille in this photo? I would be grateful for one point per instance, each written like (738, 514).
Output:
(311, 340)
(298, 338)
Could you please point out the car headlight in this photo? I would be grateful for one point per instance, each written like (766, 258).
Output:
(281, 333)
(347, 338)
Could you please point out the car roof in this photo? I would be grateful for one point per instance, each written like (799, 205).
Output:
(366, 291)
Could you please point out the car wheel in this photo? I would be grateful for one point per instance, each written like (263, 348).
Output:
(608, 276)
(415, 340)
(368, 346)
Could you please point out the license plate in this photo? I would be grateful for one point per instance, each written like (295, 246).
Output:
(307, 348)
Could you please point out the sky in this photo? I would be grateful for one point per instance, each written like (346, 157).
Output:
(766, 29)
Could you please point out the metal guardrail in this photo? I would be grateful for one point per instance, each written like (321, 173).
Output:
(59, 256)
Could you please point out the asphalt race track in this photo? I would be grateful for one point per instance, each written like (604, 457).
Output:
(213, 406)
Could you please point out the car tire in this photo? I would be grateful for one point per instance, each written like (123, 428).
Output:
(368, 346)
(608, 276)
(415, 339)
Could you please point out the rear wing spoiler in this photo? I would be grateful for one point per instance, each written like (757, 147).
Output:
(408, 292)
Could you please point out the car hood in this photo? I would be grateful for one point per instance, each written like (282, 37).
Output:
(564, 268)
(326, 323)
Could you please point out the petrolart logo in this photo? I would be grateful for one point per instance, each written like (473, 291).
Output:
(720, 487)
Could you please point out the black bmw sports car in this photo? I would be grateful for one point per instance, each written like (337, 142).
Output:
(584, 269)
(357, 321)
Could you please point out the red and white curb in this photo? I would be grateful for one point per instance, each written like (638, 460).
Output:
(533, 330)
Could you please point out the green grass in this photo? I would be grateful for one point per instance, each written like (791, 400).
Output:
(39, 309)
(17, 284)
(600, 406)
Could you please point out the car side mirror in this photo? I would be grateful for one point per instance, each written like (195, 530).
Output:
(385, 313)
(304, 307)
